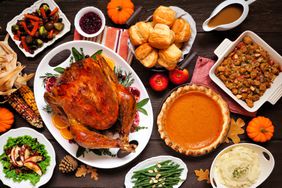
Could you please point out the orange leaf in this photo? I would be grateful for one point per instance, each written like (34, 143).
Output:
(93, 173)
(203, 175)
(235, 130)
(81, 171)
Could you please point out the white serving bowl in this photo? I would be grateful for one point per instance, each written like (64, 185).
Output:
(81, 13)
(272, 94)
(266, 160)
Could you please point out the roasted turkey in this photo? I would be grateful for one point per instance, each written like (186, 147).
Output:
(90, 99)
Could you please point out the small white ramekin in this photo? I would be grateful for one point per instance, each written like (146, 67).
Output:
(81, 13)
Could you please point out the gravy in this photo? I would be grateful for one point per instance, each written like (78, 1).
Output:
(227, 15)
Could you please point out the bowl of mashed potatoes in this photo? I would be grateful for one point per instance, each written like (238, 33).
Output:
(241, 166)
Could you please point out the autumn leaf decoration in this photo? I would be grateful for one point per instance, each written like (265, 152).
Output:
(83, 170)
(203, 175)
(236, 128)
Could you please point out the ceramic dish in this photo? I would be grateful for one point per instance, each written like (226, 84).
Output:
(187, 46)
(220, 7)
(142, 136)
(41, 139)
(272, 94)
(33, 8)
(266, 161)
(83, 12)
(153, 161)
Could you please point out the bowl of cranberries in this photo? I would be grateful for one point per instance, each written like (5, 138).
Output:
(89, 22)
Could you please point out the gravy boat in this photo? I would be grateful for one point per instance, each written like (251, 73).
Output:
(245, 5)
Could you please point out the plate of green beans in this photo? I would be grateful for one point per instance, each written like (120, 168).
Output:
(161, 171)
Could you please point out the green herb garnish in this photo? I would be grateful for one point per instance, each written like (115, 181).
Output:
(59, 70)
(141, 104)
(96, 53)
(239, 172)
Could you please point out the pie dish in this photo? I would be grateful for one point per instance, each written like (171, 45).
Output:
(193, 120)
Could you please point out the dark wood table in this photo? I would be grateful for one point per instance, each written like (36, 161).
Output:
(265, 18)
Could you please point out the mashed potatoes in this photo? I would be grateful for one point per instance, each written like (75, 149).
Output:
(238, 167)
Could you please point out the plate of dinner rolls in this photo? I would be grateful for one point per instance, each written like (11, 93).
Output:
(164, 38)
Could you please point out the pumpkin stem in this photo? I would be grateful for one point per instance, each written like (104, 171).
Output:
(119, 8)
(263, 130)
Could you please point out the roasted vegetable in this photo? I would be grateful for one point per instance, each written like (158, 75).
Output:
(49, 26)
(28, 97)
(43, 32)
(59, 26)
(15, 28)
(37, 25)
(28, 39)
(39, 42)
(24, 110)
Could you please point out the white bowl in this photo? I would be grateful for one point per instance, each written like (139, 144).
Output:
(42, 140)
(81, 13)
(266, 164)
(272, 94)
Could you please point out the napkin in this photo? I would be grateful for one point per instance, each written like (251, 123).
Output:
(114, 38)
(201, 76)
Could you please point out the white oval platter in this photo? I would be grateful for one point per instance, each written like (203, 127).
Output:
(142, 136)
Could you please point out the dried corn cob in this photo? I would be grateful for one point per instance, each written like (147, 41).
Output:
(24, 110)
(28, 97)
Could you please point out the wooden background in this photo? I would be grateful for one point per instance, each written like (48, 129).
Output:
(265, 19)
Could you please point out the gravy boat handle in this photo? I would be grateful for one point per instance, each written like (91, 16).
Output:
(250, 1)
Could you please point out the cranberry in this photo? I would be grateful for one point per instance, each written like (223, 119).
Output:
(90, 23)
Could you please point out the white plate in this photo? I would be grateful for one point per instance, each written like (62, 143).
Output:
(266, 165)
(42, 140)
(187, 45)
(142, 136)
(272, 94)
(153, 161)
(31, 9)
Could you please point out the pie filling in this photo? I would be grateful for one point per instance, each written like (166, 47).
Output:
(193, 121)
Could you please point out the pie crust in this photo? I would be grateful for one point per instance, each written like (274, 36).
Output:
(223, 108)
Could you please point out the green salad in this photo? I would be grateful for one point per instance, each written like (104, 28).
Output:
(24, 158)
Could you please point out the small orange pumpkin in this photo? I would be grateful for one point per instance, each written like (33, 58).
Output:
(260, 129)
(6, 119)
(120, 10)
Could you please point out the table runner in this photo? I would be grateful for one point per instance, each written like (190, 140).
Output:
(114, 38)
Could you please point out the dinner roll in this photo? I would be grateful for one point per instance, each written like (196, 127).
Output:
(164, 15)
(161, 37)
(147, 55)
(169, 57)
(182, 30)
(139, 33)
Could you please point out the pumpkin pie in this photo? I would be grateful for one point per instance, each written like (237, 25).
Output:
(193, 120)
